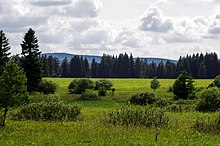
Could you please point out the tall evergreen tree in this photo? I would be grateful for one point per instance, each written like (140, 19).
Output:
(4, 48)
(76, 67)
(65, 68)
(202, 72)
(94, 69)
(57, 70)
(86, 67)
(45, 67)
(131, 64)
(30, 60)
(161, 70)
(138, 68)
(51, 66)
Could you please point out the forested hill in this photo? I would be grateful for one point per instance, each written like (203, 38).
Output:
(61, 57)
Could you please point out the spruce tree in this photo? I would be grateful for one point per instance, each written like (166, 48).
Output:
(94, 69)
(45, 66)
(31, 62)
(86, 67)
(202, 72)
(4, 48)
(51, 66)
(56, 62)
(65, 68)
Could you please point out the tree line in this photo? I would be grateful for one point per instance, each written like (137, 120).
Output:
(125, 66)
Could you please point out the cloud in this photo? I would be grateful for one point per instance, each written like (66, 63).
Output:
(84, 8)
(47, 3)
(154, 20)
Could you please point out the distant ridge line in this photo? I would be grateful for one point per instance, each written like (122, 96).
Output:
(62, 56)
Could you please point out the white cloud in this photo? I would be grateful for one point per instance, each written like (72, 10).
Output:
(76, 26)
(154, 20)
(47, 3)
(85, 8)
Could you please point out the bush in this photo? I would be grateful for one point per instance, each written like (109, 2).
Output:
(47, 87)
(103, 83)
(137, 117)
(170, 89)
(217, 81)
(102, 91)
(183, 87)
(162, 102)
(155, 84)
(47, 111)
(208, 125)
(88, 95)
(78, 86)
(143, 98)
(209, 100)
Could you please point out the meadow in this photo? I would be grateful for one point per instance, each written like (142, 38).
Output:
(89, 129)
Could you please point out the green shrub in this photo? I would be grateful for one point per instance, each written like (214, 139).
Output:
(47, 87)
(88, 95)
(217, 81)
(78, 86)
(170, 89)
(47, 111)
(103, 83)
(183, 87)
(143, 98)
(162, 103)
(102, 91)
(174, 108)
(137, 117)
(155, 84)
(209, 100)
(208, 125)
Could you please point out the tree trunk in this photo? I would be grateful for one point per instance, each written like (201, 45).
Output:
(4, 118)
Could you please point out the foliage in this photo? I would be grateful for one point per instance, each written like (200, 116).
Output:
(47, 87)
(217, 81)
(183, 86)
(13, 89)
(102, 91)
(143, 98)
(65, 68)
(155, 84)
(209, 100)
(4, 48)
(30, 60)
(170, 89)
(107, 84)
(89, 95)
(78, 86)
(208, 125)
(47, 111)
(137, 117)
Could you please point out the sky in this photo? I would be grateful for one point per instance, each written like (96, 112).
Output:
(145, 28)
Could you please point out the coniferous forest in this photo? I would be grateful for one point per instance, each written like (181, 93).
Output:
(125, 66)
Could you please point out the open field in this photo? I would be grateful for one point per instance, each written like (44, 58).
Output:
(88, 129)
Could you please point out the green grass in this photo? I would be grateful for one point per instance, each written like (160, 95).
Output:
(88, 129)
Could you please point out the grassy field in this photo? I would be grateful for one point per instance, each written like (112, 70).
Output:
(88, 129)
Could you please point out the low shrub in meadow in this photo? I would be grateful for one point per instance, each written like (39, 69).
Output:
(208, 125)
(143, 98)
(47, 111)
(103, 83)
(89, 95)
(47, 87)
(102, 91)
(78, 86)
(209, 100)
(137, 117)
